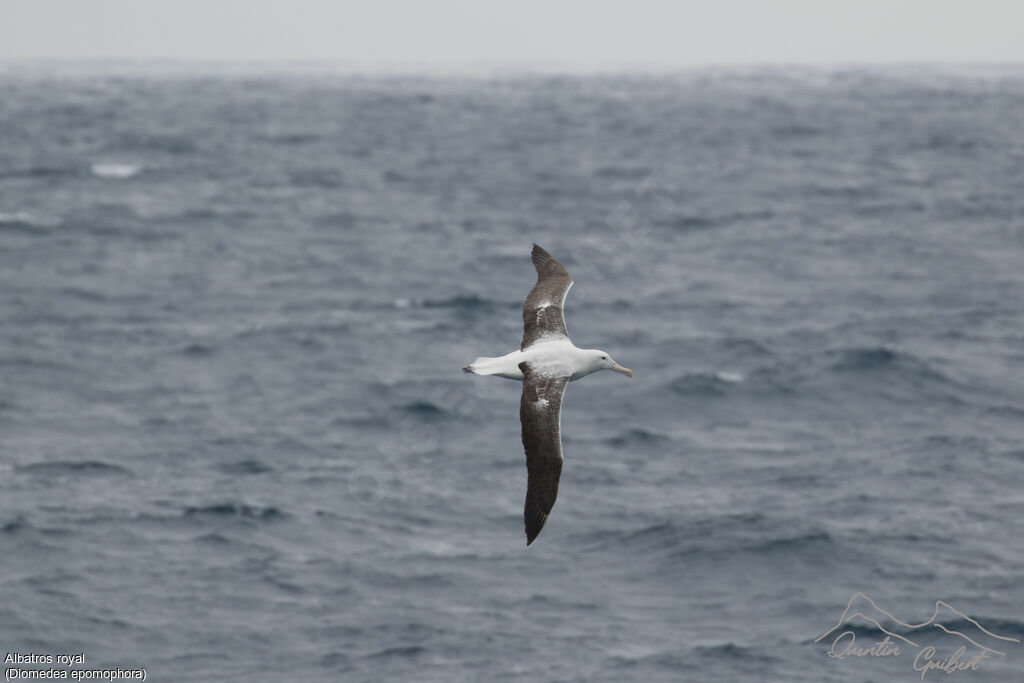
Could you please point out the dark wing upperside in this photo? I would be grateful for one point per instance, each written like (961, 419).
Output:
(542, 310)
(540, 414)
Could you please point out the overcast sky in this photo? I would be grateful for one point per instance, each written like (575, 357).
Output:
(569, 32)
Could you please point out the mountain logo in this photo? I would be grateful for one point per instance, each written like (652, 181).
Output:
(950, 625)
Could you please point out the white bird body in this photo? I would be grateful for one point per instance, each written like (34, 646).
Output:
(557, 356)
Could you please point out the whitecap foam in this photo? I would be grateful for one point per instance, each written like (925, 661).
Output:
(114, 170)
(26, 218)
(16, 217)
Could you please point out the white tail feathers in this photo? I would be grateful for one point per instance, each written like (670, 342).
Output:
(504, 366)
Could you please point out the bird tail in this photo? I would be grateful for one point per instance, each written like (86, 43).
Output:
(488, 366)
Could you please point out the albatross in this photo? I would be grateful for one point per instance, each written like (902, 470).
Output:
(545, 362)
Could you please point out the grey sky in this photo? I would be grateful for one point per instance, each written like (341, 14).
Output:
(571, 32)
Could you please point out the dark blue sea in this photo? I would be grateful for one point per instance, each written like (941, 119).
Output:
(236, 443)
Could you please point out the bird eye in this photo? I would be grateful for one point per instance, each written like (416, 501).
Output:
(604, 357)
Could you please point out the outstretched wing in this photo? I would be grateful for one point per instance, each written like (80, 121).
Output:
(542, 311)
(540, 413)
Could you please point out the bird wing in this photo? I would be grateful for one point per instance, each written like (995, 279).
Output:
(542, 310)
(540, 412)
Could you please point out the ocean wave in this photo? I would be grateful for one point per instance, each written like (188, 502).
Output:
(239, 510)
(403, 651)
(16, 525)
(291, 139)
(693, 221)
(214, 538)
(392, 176)
(843, 375)
(197, 349)
(249, 466)
(81, 467)
(83, 294)
(903, 371)
(1005, 410)
(796, 542)
(797, 130)
(670, 533)
(870, 358)
(670, 659)
(637, 435)
(148, 143)
(703, 384)
(729, 650)
(463, 301)
(460, 301)
(40, 172)
(423, 408)
(746, 346)
(23, 221)
(701, 656)
(318, 178)
(742, 534)
(761, 546)
(623, 172)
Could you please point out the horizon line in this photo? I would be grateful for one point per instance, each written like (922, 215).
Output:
(486, 67)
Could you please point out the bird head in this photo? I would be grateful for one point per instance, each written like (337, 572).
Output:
(603, 361)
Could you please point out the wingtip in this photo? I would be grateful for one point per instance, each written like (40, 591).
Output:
(540, 256)
(534, 526)
(546, 264)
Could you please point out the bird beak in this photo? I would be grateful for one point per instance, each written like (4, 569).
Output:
(618, 368)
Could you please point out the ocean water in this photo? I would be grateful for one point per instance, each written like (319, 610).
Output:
(236, 444)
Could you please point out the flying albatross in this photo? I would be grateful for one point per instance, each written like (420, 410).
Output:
(546, 362)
